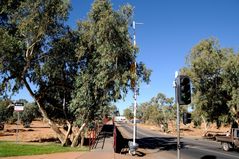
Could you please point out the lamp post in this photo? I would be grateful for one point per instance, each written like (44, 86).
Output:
(133, 145)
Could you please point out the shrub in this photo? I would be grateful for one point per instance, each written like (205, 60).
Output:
(5, 111)
(29, 113)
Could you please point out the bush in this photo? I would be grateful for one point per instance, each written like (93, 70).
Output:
(5, 111)
(29, 113)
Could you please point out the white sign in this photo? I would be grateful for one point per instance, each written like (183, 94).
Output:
(19, 106)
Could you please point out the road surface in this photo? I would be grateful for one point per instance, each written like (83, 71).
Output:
(155, 145)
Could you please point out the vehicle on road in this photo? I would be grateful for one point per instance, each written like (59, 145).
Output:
(137, 121)
(120, 119)
(231, 141)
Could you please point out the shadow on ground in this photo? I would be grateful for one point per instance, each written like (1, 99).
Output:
(160, 143)
(106, 132)
(208, 157)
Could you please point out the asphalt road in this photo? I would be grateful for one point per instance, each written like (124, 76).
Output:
(155, 145)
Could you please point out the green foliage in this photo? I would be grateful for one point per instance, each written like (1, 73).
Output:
(231, 81)
(73, 76)
(196, 119)
(107, 54)
(159, 111)
(29, 113)
(214, 74)
(5, 111)
(38, 50)
(128, 113)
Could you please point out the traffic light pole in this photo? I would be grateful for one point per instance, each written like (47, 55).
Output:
(182, 97)
(178, 131)
(175, 85)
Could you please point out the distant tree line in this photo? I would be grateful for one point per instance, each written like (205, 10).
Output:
(160, 110)
(8, 115)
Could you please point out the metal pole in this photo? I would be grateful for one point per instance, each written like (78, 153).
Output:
(133, 145)
(178, 131)
(135, 91)
(17, 126)
(178, 116)
(135, 107)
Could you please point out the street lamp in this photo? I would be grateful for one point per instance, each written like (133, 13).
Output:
(133, 145)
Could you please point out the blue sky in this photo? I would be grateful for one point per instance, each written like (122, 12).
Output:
(171, 28)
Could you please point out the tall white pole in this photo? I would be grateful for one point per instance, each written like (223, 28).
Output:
(135, 90)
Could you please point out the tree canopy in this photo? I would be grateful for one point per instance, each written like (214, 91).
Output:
(73, 75)
(214, 74)
(107, 51)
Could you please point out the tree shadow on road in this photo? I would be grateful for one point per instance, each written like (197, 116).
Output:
(208, 157)
(161, 143)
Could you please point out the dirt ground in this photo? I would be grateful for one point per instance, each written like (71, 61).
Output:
(189, 130)
(40, 131)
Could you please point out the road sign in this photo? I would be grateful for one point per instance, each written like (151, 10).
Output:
(18, 107)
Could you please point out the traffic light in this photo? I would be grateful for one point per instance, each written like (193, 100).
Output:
(186, 118)
(183, 90)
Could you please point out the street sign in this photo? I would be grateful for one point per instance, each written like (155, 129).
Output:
(18, 107)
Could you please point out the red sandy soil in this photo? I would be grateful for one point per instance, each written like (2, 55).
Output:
(189, 130)
(40, 131)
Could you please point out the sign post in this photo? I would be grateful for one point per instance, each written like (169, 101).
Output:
(18, 107)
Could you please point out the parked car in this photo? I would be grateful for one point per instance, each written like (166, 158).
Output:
(137, 121)
(231, 141)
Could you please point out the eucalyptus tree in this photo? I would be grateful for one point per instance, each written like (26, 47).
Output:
(143, 108)
(107, 53)
(43, 55)
(206, 72)
(37, 52)
(128, 113)
(164, 106)
(231, 83)
(159, 110)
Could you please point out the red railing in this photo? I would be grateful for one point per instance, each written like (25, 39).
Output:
(93, 134)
